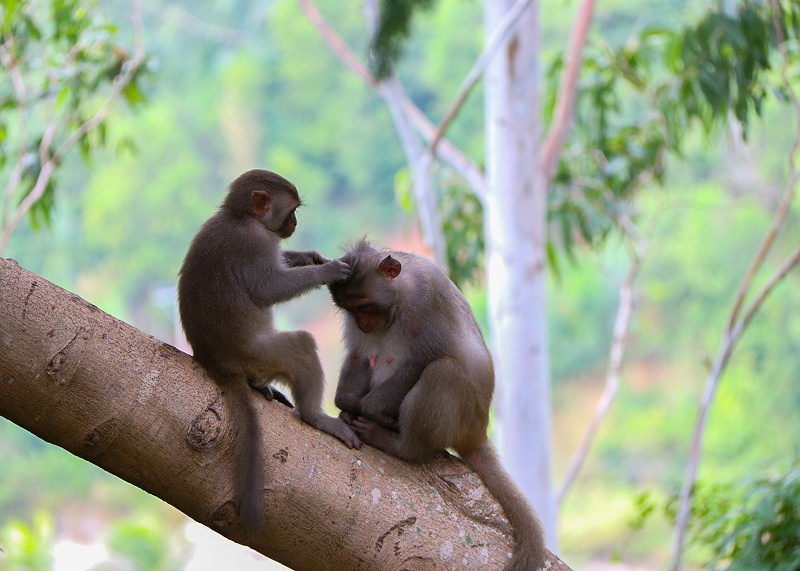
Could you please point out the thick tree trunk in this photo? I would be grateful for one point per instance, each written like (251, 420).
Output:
(516, 233)
(81, 379)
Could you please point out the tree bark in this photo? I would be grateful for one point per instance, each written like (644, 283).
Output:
(146, 412)
(516, 238)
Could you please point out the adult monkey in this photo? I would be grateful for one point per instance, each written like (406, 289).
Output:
(418, 379)
(233, 273)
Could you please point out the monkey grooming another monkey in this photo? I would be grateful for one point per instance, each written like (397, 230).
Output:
(233, 273)
(417, 377)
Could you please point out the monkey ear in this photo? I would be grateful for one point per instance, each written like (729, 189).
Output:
(390, 267)
(259, 203)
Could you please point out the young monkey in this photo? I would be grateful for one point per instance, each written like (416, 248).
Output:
(233, 273)
(418, 379)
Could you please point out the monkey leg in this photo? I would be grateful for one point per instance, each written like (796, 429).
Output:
(290, 357)
(354, 380)
(435, 415)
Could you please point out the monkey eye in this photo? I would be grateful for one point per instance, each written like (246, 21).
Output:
(365, 307)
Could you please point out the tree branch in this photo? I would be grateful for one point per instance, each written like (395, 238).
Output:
(337, 44)
(420, 162)
(448, 152)
(497, 39)
(191, 24)
(146, 412)
(618, 343)
(567, 92)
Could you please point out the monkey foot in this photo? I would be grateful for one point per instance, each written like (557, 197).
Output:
(338, 428)
(375, 435)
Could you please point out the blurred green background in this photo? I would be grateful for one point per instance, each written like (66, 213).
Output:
(241, 84)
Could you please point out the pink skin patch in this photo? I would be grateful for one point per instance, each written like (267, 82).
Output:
(373, 361)
(389, 360)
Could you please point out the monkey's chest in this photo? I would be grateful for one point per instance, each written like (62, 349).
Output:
(382, 358)
(383, 365)
(384, 355)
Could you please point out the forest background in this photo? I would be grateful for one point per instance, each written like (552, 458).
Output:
(238, 85)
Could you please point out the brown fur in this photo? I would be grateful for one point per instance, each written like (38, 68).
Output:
(234, 271)
(418, 379)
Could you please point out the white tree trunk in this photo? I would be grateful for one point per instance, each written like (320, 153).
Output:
(516, 209)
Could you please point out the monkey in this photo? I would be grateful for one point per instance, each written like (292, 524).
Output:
(417, 377)
(233, 273)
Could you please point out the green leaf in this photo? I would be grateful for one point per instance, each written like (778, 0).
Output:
(404, 189)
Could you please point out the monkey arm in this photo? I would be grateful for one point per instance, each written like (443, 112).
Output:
(267, 286)
(353, 384)
(382, 402)
(309, 258)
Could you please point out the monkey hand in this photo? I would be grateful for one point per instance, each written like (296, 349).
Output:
(336, 271)
(310, 258)
(375, 435)
(375, 410)
(316, 258)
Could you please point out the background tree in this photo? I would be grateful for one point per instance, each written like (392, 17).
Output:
(62, 74)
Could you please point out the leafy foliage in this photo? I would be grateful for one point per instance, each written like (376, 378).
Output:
(27, 548)
(141, 542)
(752, 525)
(637, 102)
(394, 28)
(144, 543)
(60, 61)
(462, 217)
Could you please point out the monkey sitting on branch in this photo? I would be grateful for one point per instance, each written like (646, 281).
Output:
(417, 377)
(233, 273)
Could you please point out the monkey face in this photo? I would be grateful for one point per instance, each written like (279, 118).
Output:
(289, 225)
(369, 316)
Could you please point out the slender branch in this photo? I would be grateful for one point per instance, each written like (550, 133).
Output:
(619, 340)
(788, 264)
(497, 39)
(419, 161)
(20, 92)
(49, 163)
(336, 44)
(736, 325)
(567, 91)
(788, 197)
(195, 26)
(120, 83)
(448, 152)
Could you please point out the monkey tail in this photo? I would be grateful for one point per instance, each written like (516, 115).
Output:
(529, 551)
(249, 476)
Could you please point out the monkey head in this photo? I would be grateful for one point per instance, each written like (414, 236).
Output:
(268, 197)
(371, 293)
